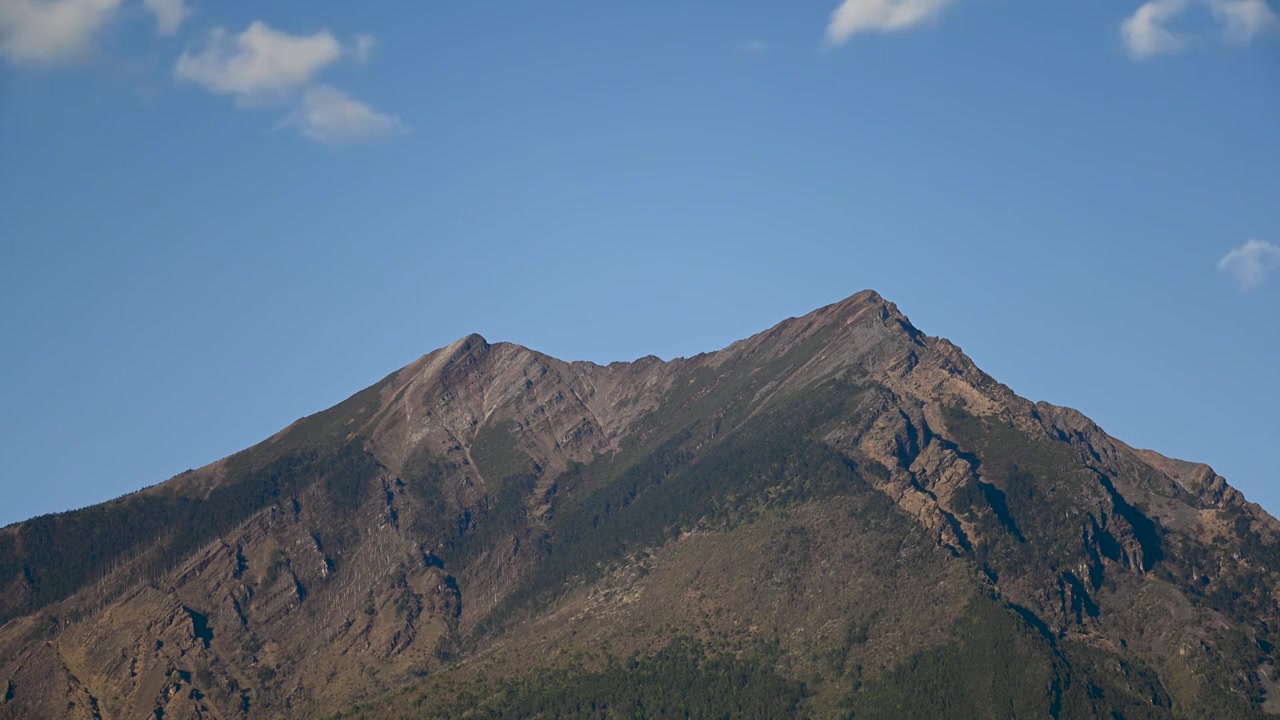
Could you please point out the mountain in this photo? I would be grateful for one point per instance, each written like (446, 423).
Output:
(838, 517)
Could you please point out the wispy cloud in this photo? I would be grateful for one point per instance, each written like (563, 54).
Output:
(1146, 33)
(264, 67)
(363, 47)
(1152, 30)
(51, 31)
(1251, 263)
(753, 45)
(1243, 20)
(47, 32)
(169, 14)
(328, 115)
(1149, 31)
(865, 16)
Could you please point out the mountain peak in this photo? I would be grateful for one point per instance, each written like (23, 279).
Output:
(468, 347)
(862, 297)
(866, 305)
(467, 343)
(841, 466)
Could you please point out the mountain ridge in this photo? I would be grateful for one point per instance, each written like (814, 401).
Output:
(444, 518)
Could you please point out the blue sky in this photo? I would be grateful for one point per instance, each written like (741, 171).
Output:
(215, 220)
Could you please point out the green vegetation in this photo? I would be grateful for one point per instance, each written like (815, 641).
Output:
(425, 476)
(1000, 666)
(682, 680)
(497, 454)
(996, 666)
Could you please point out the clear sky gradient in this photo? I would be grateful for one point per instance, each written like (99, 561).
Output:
(205, 234)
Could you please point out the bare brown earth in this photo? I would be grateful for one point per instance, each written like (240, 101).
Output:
(308, 605)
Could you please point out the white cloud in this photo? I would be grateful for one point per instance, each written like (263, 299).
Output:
(364, 47)
(169, 14)
(260, 64)
(328, 115)
(753, 45)
(861, 16)
(1243, 20)
(50, 31)
(1146, 32)
(1250, 263)
(266, 67)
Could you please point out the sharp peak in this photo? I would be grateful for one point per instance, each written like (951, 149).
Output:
(434, 361)
(862, 296)
(857, 301)
(468, 341)
(867, 304)
(475, 345)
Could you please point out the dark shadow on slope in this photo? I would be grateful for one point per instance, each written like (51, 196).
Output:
(1144, 529)
(200, 626)
(995, 497)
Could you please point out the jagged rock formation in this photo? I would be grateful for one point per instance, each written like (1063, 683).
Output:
(843, 495)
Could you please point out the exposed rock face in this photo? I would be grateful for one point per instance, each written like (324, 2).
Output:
(841, 475)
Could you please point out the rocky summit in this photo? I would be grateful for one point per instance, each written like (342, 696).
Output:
(838, 517)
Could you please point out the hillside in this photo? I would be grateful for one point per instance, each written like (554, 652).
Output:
(838, 517)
